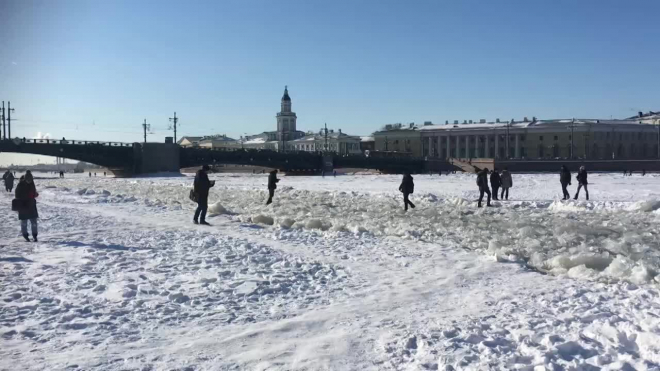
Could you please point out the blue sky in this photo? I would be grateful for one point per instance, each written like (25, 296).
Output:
(94, 70)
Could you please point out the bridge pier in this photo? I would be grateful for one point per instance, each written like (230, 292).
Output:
(155, 158)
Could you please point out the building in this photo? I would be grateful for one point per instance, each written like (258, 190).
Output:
(399, 138)
(218, 141)
(287, 130)
(189, 141)
(336, 142)
(541, 139)
(367, 144)
(526, 139)
(287, 137)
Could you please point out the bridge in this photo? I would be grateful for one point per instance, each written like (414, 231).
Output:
(140, 158)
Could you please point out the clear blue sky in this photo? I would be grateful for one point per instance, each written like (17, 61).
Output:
(96, 69)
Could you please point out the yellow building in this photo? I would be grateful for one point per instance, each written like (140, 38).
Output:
(540, 139)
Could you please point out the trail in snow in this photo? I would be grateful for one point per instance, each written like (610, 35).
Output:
(122, 280)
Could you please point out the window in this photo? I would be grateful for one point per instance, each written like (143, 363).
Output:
(522, 138)
(570, 137)
(541, 139)
(608, 135)
(556, 138)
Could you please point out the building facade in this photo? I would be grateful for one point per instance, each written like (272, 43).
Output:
(542, 139)
(526, 139)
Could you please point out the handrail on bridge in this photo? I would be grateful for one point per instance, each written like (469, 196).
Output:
(71, 142)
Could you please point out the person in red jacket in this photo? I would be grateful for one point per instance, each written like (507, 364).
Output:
(26, 194)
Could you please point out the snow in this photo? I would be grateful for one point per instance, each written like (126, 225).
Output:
(334, 275)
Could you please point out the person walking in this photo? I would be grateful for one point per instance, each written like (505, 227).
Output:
(272, 185)
(202, 187)
(582, 182)
(507, 183)
(8, 177)
(495, 183)
(482, 183)
(26, 199)
(407, 187)
(565, 180)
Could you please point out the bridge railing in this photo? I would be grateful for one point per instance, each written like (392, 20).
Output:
(72, 142)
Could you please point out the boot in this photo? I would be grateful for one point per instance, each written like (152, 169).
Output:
(34, 236)
(195, 221)
(26, 236)
(203, 222)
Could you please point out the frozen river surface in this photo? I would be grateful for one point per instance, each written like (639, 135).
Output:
(333, 275)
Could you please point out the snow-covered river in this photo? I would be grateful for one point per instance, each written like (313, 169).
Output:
(334, 275)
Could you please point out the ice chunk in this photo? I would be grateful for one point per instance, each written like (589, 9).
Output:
(286, 222)
(314, 224)
(217, 208)
(263, 219)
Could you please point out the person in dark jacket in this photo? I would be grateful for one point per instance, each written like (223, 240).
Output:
(582, 182)
(26, 194)
(495, 183)
(272, 185)
(565, 180)
(202, 186)
(482, 182)
(407, 187)
(8, 177)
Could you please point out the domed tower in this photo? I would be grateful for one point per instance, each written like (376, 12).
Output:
(286, 120)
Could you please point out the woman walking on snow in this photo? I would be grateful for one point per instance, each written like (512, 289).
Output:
(26, 197)
(407, 187)
(582, 182)
(507, 183)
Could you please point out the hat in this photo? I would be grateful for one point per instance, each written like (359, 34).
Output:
(28, 175)
(205, 167)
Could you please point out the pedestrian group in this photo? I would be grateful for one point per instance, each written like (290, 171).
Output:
(25, 202)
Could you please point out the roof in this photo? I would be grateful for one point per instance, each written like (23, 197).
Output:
(286, 94)
(256, 141)
(642, 115)
(190, 139)
(529, 124)
(318, 136)
(217, 138)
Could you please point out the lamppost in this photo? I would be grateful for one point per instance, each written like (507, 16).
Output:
(586, 139)
(572, 127)
(508, 124)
